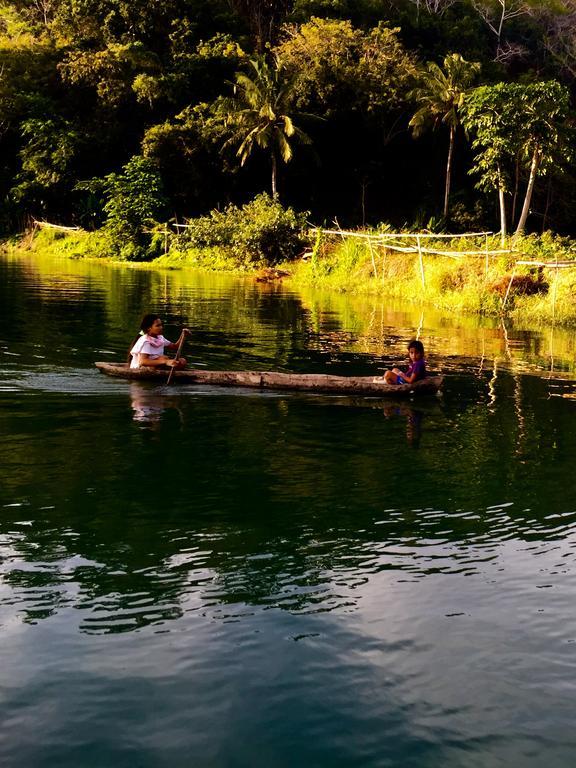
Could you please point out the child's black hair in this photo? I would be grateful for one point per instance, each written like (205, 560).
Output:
(417, 345)
(147, 322)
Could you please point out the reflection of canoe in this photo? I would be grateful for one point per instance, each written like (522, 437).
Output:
(311, 382)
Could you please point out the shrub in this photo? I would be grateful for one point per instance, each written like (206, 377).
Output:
(261, 232)
(135, 202)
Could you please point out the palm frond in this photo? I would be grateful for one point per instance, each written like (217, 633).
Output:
(284, 147)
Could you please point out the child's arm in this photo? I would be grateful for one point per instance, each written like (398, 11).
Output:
(176, 344)
(418, 372)
(409, 379)
(146, 360)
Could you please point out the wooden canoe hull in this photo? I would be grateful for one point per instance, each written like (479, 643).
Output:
(308, 382)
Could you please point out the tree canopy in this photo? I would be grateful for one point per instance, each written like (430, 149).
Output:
(93, 90)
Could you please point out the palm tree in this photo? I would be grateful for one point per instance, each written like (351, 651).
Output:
(259, 114)
(440, 94)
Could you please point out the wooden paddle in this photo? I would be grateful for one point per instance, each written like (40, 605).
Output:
(180, 344)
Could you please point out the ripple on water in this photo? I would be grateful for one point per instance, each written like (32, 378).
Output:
(307, 586)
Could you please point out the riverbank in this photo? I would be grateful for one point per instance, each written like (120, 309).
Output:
(473, 275)
(465, 275)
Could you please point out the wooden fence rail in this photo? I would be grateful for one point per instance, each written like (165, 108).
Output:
(392, 235)
(383, 239)
(47, 225)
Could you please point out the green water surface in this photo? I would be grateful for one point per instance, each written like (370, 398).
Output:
(228, 578)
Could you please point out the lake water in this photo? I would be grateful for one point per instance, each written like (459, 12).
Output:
(227, 578)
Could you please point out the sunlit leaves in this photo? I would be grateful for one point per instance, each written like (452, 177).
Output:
(135, 198)
(112, 71)
(514, 123)
(337, 65)
(440, 92)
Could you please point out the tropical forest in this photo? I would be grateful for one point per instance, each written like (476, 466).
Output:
(232, 133)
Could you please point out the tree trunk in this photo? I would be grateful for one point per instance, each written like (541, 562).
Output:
(274, 175)
(529, 189)
(516, 186)
(449, 170)
(548, 201)
(502, 202)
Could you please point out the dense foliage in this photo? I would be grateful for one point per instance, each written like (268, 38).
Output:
(134, 203)
(124, 114)
(260, 232)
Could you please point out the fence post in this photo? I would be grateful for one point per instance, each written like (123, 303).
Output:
(421, 259)
(372, 256)
(512, 276)
(554, 291)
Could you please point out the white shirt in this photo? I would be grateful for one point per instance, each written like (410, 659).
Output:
(148, 345)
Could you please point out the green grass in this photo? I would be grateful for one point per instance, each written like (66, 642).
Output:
(93, 245)
(211, 258)
(468, 284)
(54, 243)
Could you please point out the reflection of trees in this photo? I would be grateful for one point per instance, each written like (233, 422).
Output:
(263, 501)
(237, 324)
(373, 325)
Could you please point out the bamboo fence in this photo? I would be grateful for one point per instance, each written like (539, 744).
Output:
(386, 239)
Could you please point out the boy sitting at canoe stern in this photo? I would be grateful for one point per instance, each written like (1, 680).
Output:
(416, 370)
(148, 347)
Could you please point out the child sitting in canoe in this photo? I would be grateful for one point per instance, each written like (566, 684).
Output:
(148, 347)
(416, 370)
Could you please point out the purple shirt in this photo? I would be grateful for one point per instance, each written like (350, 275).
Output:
(418, 367)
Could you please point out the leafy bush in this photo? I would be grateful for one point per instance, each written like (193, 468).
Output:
(261, 232)
(135, 202)
(468, 218)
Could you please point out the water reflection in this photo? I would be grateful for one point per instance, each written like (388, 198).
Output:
(149, 403)
(302, 568)
(238, 325)
(414, 419)
(171, 567)
(249, 503)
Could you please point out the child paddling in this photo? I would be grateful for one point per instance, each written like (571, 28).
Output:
(416, 370)
(148, 347)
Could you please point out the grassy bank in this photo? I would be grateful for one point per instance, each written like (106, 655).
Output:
(459, 283)
(48, 243)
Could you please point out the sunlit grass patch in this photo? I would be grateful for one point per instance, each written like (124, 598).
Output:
(486, 282)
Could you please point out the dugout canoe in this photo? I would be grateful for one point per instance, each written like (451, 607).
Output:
(306, 382)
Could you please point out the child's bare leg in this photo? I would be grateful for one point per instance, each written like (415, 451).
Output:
(390, 377)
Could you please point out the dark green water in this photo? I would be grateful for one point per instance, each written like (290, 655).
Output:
(226, 578)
